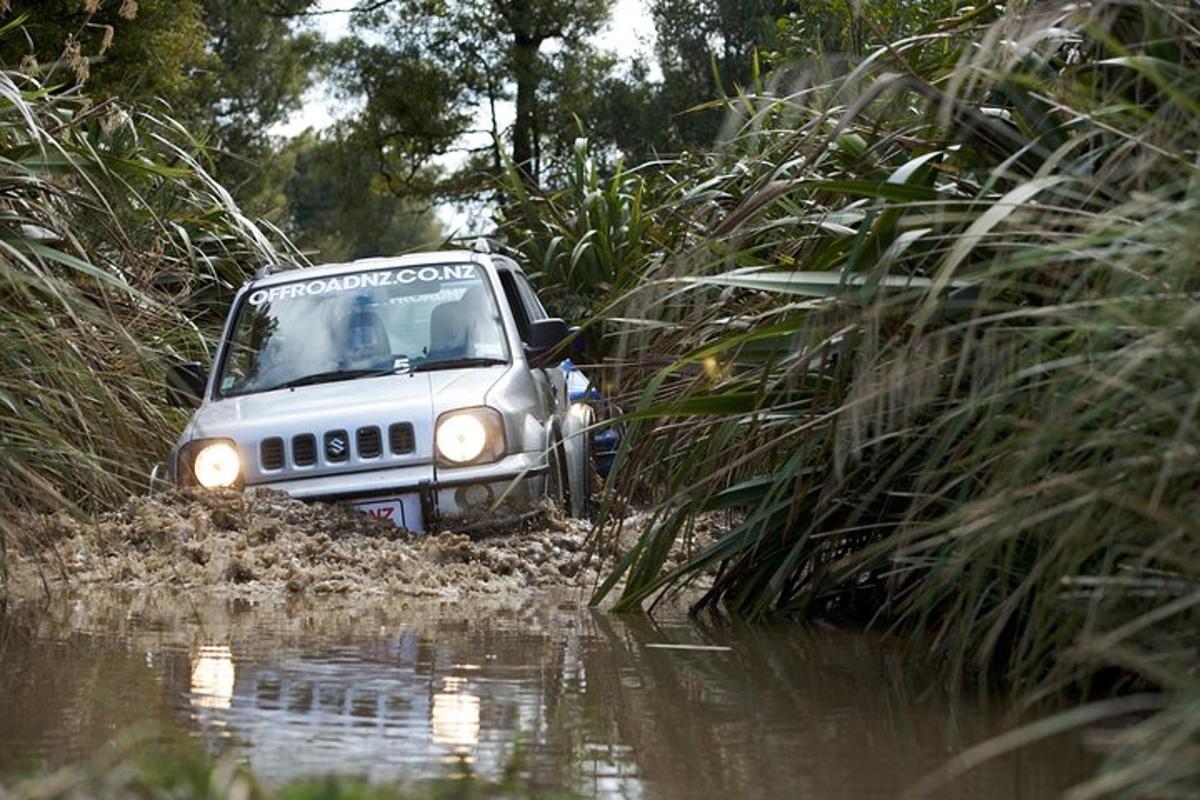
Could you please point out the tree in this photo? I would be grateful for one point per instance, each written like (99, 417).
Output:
(263, 65)
(227, 70)
(138, 50)
(415, 107)
(706, 48)
(707, 51)
(337, 203)
(434, 72)
(567, 106)
(527, 25)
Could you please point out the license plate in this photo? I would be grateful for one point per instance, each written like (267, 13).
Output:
(403, 511)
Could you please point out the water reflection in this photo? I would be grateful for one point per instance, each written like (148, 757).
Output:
(600, 706)
(454, 718)
(213, 676)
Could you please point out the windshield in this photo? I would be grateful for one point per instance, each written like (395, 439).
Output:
(365, 323)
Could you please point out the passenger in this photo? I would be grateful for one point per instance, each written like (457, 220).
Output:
(463, 328)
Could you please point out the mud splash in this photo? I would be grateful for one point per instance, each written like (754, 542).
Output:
(268, 543)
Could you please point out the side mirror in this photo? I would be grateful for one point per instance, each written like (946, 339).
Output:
(545, 337)
(185, 384)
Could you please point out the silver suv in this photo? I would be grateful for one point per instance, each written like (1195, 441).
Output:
(428, 390)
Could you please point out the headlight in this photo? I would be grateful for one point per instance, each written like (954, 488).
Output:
(461, 438)
(217, 465)
(469, 436)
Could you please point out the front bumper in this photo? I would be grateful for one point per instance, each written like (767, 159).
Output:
(462, 498)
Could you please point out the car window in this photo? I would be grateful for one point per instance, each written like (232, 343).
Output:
(356, 323)
(532, 302)
(515, 302)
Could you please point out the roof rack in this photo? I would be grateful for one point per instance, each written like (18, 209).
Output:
(270, 269)
(487, 245)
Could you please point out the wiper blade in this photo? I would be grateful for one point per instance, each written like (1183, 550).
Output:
(456, 363)
(333, 375)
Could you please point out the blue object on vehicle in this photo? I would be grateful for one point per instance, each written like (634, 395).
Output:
(605, 440)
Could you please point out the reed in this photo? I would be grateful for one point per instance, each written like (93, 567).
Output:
(117, 250)
(929, 327)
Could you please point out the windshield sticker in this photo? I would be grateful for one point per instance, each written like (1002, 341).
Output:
(440, 296)
(360, 280)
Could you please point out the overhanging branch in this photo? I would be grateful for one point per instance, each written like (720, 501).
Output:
(362, 8)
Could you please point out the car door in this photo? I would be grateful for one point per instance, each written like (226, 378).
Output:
(526, 308)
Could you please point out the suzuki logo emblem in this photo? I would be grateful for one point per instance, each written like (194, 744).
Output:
(337, 446)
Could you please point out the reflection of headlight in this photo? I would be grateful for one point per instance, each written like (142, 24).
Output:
(213, 677)
(455, 719)
(217, 465)
(469, 436)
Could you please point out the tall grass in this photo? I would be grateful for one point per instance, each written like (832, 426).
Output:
(930, 327)
(116, 248)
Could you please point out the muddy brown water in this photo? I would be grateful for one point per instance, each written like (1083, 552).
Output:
(602, 705)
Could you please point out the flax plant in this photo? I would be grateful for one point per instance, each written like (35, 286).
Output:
(929, 329)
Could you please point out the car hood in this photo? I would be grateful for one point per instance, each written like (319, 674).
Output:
(383, 401)
(461, 388)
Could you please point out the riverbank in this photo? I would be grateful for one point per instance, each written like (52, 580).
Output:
(269, 544)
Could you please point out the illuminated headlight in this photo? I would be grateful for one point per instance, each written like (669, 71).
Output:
(469, 436)
(216, 465)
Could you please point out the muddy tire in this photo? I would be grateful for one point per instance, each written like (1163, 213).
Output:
(583, 500)
(558, 484)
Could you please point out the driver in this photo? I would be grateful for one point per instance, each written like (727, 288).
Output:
(366, 344)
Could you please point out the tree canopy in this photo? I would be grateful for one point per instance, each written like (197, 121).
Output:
(445, 93)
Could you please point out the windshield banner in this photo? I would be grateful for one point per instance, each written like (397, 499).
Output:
(361, 280)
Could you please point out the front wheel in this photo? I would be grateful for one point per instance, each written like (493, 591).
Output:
(581, 467)
(558, 484)
(583, 494)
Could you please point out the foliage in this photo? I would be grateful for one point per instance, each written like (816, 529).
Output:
(593, 226)
(227, 71)
(265, 63)
(587, 241)
(710, 52)
(929, 329)
(117, 251)
(141, 51)
(338, 204)
(433, 76)
(132, 768)
(707, 50)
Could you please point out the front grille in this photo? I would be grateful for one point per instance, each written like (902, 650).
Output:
(270, 453)
(304, 450)
(369, 442)
(401, 439)
(337, 446)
